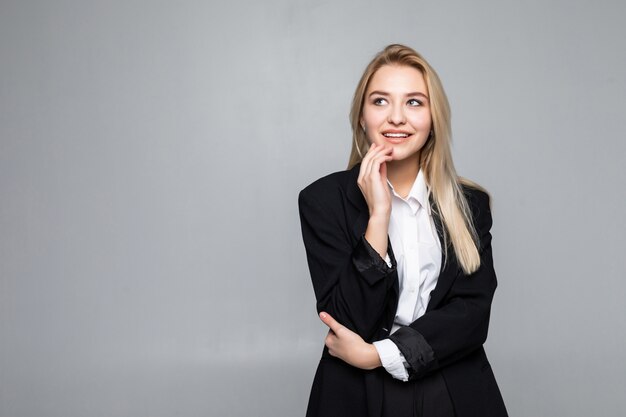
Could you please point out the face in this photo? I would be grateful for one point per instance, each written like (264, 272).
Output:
(396, 111)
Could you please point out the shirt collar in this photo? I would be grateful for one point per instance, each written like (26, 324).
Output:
(419, 191)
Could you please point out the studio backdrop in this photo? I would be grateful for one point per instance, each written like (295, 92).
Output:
(151, 155)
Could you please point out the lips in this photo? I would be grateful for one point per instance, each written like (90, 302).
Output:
(396, 136)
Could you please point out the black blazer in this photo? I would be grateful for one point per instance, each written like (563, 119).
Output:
(357, 287)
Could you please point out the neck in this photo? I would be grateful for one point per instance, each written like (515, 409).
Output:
(402, 174)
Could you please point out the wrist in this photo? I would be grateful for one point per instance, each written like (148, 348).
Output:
(379, 217)
(373, 359)
(378, 223)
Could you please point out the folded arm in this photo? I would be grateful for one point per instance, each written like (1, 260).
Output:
(351, 281)
(459, 326)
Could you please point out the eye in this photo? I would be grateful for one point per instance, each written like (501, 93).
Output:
(379, 101)
(414, 102)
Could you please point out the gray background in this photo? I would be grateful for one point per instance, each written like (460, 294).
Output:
(151, 262)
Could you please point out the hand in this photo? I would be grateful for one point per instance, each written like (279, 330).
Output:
(372, 179)
(348, 346)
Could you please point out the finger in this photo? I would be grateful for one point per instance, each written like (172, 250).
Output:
(330, 338)
(365, 162)
(377, 163)
(330, 322)
(383, 155)
(371, 149)
(381, 150)
(369, 165)
(375, 149)
(330, 342)
(383, 170)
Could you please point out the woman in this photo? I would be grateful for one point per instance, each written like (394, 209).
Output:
(399, 250)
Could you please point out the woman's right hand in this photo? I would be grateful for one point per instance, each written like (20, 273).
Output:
(372, 180)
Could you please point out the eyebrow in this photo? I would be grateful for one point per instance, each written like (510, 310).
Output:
(382, 93)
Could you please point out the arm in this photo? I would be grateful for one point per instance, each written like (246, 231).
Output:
(348, 346)
(459, 326)
(352, 349)
(351, 283)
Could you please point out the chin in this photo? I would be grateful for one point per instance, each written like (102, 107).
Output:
(401, 156)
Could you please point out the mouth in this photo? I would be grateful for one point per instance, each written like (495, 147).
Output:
(396, 137)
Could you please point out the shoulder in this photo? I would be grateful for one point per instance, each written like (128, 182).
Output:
(331, 187)
(479, 201)
(476, 195)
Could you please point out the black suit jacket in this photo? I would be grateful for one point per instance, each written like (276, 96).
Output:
(357, 287)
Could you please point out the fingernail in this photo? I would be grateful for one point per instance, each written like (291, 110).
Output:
(323, 315)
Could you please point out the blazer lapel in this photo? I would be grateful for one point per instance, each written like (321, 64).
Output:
(447, 274)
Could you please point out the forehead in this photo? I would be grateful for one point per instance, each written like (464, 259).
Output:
(398, 79)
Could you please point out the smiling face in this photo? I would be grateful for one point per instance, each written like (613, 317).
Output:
(396, 110)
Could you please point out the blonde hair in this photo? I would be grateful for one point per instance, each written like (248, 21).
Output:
(435, 157)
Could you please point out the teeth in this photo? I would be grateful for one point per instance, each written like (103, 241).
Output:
(395, 135)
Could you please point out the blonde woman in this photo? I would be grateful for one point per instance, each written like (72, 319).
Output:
(399, 251)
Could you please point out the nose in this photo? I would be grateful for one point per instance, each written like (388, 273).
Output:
(396, 114)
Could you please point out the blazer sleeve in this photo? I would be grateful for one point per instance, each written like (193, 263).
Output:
(351, 281)
(459, 326)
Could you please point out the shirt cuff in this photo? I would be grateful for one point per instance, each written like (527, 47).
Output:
(416, 350)
(392, 359)
(370, 264)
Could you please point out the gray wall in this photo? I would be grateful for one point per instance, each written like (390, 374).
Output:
(151, 262)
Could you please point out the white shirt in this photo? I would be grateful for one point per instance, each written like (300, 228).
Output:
(418, 254)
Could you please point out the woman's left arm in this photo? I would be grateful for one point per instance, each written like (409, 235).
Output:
(459, 326)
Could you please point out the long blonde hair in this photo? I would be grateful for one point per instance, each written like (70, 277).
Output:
(435, 156)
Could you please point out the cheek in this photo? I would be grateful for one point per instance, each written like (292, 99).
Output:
(422, 121)
(373, 117)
